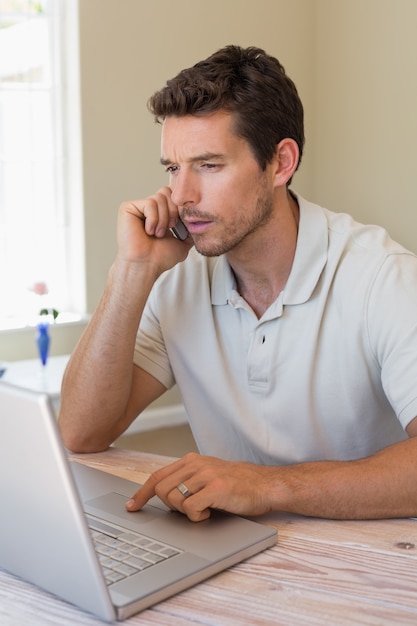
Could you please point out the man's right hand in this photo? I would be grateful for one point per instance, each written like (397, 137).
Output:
(143, 232)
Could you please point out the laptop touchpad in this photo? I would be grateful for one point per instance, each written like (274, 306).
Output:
(114, 504)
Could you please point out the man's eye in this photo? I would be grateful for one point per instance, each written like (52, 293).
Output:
(171, 169)
(210, 166)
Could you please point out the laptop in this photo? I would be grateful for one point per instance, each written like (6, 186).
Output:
(66, 530)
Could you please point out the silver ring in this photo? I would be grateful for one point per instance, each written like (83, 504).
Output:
(184, 490)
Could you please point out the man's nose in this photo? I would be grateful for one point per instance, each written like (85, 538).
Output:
(185, 189)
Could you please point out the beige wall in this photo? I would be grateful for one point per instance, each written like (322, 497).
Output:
(354, 62)
(365, 122)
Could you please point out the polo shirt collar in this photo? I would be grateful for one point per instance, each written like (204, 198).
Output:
(309, 260)
(310, 254)
(223, 282)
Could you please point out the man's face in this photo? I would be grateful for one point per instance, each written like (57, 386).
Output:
(221, 193)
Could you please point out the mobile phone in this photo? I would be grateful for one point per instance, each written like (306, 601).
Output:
(179, 230)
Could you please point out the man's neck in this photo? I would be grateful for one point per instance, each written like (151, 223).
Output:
(262, 270)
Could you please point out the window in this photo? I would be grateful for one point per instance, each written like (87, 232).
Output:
(40, 208)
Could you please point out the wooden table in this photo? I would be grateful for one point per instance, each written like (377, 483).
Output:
(320, 573)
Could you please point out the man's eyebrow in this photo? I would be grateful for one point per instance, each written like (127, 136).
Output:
(206, 156)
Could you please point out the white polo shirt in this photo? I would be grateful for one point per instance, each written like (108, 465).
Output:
(328, 372)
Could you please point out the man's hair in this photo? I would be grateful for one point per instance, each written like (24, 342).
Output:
(249, 84)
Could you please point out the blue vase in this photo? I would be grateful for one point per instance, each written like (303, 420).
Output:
(43, 341)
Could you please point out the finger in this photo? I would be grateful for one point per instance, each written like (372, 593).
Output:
(192, 496)
(156, 215)
(141, 497)
(174, 493)
(148, 489)
(193, 511)
(160, 213)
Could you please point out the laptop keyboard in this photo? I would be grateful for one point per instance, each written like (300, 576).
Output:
(123, 553)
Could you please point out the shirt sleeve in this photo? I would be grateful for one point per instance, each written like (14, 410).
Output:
(150, 350)
(392, 331)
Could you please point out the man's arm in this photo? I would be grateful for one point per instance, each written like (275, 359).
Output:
(383, 485)
(102, 391)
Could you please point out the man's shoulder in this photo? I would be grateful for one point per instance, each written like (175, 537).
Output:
(344, 227)
(372, 237)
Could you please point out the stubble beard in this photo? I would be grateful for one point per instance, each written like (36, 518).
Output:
(241, 230)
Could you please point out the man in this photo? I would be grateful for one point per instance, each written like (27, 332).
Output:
(290, 330)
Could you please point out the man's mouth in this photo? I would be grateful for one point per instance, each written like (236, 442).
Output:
(197, 226)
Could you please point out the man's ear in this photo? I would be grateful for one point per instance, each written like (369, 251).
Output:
(286, 160)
